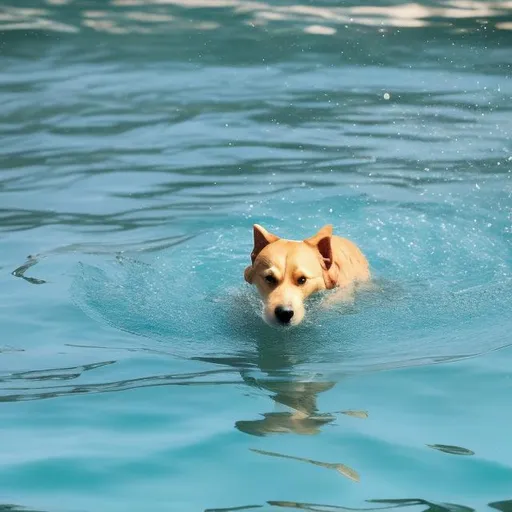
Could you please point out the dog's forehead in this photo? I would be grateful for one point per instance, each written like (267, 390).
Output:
(274, 255)
(303, 257)
(287, 254)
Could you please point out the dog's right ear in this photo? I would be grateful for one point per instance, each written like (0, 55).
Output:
(261, 239)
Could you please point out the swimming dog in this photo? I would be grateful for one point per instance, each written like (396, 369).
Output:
(287, 272)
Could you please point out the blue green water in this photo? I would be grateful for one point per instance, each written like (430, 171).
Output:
(139, 142)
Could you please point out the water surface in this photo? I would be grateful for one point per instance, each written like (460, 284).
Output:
(140, 142)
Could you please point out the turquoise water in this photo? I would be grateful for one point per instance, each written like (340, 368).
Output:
(140, 140)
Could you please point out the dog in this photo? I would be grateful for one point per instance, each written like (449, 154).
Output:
(287, 272)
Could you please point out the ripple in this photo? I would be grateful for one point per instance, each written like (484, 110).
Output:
(141, 140)
(158, 16)
(443, 293)
(38, 384)
(381, 504)
(340, 468)
(453, 450)
(15, 508)
(161, 15)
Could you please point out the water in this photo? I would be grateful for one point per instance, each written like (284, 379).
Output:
(140, 142)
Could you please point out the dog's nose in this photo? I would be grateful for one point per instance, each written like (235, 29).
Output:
(284, 314)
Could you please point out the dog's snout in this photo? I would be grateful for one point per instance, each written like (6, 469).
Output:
(284, 314)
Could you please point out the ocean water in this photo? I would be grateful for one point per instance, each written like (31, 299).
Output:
(140, 141)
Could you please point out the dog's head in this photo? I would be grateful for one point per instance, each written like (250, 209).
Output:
(286, 272)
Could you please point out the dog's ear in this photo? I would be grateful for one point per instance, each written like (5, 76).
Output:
(261, 239)
(322, 242)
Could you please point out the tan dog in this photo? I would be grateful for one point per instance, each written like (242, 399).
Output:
(286, 272)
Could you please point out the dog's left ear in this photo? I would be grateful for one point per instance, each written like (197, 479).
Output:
(322, 242)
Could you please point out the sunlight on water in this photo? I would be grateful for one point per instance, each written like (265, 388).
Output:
(126, 16)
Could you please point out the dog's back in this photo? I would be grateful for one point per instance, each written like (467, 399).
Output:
(353, 265)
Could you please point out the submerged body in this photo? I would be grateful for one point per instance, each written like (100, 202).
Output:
(286, 272)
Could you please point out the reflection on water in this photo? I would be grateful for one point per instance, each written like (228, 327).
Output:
(454, 450)
(126, 16)
(15, 508)
(304, 417)
(419, 505)
(299, 397)
(296, 395)
(429, 506)
(504, 506)
(53, 374)
(20, 271)
(18, 386)
(347, 472)
(233, 509)
(356, 414)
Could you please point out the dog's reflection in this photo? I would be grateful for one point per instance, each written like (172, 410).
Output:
(301, 414)
(272, 368)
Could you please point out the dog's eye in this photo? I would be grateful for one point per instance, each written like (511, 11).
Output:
(302, 280)
(270, 279)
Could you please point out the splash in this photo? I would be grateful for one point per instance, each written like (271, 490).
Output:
(443, 293)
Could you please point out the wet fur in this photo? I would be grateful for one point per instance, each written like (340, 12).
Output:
(325, 260)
